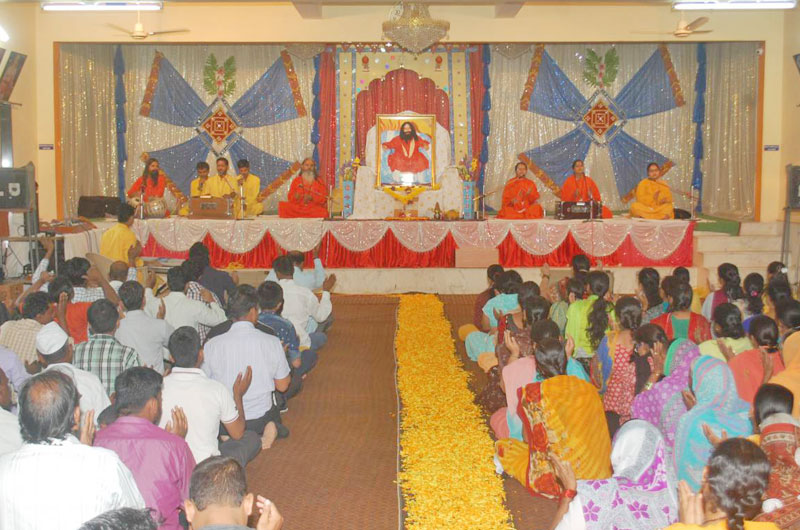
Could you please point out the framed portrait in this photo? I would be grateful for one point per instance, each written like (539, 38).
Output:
(10, 74)
(406, 151)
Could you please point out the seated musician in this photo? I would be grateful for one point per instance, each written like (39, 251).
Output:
(520, 196)
(307, 194)
(198, 186)
(222, 184)
(580, 187)
(653, 197)
(250, 186)
(151, 184)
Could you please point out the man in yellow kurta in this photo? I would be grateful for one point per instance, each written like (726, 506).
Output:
(119, 239)
(250, 186)
(653, 197)
(198, 186)
(222, 184)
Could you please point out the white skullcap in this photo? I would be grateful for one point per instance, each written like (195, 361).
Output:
(50, 339)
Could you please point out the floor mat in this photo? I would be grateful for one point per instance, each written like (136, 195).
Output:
(338, 467)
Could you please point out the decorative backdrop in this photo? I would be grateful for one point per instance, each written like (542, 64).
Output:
(689, 107)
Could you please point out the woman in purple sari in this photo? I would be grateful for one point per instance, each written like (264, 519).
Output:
(641, 494)
(662, 405)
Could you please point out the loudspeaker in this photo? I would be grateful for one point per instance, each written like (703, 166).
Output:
(94, 207)
(793, 187)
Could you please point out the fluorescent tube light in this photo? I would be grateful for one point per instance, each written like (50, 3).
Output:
(733, 4)
(102, 6)
(3, 35)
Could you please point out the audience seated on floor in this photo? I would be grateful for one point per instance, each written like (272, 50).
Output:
(160, 459)
(19, 335)
(180, 310)
(148, 336)
(312, 279)
(207, 403)
(218, 498)
(244, 348)
(311, 316)
(54, 467)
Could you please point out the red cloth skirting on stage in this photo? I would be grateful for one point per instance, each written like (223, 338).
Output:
(389, 253)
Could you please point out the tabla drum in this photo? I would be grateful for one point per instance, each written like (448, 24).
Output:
(155, 208)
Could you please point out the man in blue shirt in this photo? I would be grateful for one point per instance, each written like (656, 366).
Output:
(270, 297)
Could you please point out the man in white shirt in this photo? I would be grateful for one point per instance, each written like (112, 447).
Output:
(10, 437)
(312, 279)
(242, 348)
(181, 311)
(147, 335)
(207, 403)
(54, 481)
(301, 306)
(55, 353)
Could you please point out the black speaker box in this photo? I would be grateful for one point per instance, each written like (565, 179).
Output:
(93, 207)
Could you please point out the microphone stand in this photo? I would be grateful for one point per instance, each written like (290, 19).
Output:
(483, 203)
(242, 202)
(141, 203)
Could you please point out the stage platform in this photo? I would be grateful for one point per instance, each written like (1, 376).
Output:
(380, 244)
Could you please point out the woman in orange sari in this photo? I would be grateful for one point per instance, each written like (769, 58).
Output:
(581, 187)
(788, 325)
(519, 197)
(680, 322)
(562, 416)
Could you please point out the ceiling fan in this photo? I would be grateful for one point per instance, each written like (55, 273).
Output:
(684, 28)
(139, 33)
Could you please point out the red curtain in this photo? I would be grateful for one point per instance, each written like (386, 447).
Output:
(327, 119)
(476, 93)
(389, 253)
(399, 90)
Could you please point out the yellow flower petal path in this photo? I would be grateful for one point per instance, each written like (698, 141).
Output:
(447, 477)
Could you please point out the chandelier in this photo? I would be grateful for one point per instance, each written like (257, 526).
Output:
(411, 27)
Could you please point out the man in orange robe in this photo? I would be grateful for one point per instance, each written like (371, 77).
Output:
(580, 187)
(308, 196)
(520, 196)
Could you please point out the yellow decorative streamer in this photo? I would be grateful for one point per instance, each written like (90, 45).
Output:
(447, 478)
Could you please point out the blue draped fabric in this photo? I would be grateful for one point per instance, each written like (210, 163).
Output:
(629, 158)
(699, 118)
(554, 95)
(121, 123)
(315, 110)
(173, 100)
(179, 161)
(486, 106)
(265, 165)
(648, 92)
(269, 101)
(556, 158)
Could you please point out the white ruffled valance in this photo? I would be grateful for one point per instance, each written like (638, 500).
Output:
(654, 239)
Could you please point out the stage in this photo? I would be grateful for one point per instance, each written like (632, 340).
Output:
(380, 244)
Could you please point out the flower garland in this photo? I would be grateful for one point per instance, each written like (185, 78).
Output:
(447, 478)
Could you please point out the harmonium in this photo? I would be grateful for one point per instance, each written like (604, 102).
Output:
(579, 210)
(210, 208)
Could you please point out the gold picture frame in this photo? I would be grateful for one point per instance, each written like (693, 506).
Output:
(406, 165)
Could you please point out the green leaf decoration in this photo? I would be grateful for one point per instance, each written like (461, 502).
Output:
(612, 66)
(592, 68)
(228, 76)
(210, 75)
(229, 79)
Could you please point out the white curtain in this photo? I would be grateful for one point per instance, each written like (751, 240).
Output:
(88, 137)
(729, 167)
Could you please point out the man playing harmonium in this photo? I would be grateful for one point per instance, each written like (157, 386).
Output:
(580, 187)
(307, 194)
(653, 197)
(222, 184)
(520, 196)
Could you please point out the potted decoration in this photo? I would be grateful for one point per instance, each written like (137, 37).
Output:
(468, 172)
(347, 174)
